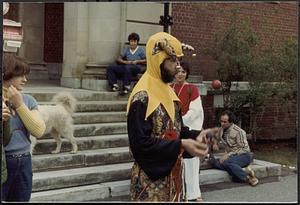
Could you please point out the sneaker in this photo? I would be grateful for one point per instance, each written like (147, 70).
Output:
(126, 89)
(115, 88)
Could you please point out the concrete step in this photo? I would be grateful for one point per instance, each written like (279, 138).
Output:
(90, 157)
(107, 191)
(96, 192)
(96, 106)
(38, 71)
(80, 176)
(84, 130)
(99, 117)
(45, 94)
(100, 129)
(46, 146)
(101, 106)
(84, 158)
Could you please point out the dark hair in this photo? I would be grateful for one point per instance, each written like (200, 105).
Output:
(231, 115)
(134, 36)
(14, 66)
(185, 66)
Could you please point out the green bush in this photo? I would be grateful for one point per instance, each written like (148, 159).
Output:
(271, 71)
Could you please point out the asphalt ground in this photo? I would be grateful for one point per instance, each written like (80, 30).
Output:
(283, 191)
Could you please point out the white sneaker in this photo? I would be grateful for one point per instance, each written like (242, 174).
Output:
(126, 89)
(115, 87)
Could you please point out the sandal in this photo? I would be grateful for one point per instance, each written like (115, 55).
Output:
(199, 199)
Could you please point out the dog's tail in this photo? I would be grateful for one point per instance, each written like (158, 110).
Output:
(66, 100)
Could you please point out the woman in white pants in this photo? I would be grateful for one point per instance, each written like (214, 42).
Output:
(193, 116)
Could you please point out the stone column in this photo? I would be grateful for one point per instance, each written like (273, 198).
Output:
(76, 35)
(32, 20)
(104, 31)
(106, 26)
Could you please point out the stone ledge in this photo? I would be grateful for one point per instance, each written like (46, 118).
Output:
(211, 179)
(75, 193)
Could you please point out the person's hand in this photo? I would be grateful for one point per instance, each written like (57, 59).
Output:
(215, 147)
(223, 158)
(205, 136)
(202, 137)
(194, 147)
(15, 97)
(5, 112)
(134, 62)
(129, 62)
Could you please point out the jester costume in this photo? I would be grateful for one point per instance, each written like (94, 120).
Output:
(155, 128)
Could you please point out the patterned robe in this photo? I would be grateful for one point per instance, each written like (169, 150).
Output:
(156, 147)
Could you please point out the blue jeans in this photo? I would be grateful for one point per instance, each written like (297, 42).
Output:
(18, 186)
(122, 72)
(233, 165)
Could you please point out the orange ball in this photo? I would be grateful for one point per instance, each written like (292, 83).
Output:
(216, 84)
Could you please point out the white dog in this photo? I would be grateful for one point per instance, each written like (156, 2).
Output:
(59, 121)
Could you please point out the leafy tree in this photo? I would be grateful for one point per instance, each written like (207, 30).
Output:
(270, 72)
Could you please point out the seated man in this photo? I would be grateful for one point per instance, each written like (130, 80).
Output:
(129, 64)
(237, 155)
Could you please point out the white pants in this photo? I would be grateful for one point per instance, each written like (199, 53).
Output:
(191, 177)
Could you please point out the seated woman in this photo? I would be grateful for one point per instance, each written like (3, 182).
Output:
(129, 64)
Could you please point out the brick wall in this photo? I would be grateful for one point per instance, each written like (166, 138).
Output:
(54, 31)
(274, 121)
(277, 122)
(195, 24)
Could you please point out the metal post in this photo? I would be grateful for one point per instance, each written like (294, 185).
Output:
(166, 14)
(166, 19)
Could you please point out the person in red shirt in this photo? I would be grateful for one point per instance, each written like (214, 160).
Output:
(192, 116)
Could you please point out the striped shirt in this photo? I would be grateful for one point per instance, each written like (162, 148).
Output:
(235, 140)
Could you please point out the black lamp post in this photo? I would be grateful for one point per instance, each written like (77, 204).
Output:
(166, 20)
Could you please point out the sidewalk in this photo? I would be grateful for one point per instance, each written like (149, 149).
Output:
(284, 190)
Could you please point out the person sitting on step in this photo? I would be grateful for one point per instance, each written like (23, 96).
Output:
(129, 64)
(237, 157)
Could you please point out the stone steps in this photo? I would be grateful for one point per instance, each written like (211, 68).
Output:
(99, 117)
(81, 95)
(100, 129)
(86, 158)
(95, 192)
(103, 155)
(100, 170)
(107, 191)
(84, 130)
(38, 71)
(49, 180)
(97, 106)
(46, 146)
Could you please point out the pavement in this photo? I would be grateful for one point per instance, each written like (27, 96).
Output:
(283, 191)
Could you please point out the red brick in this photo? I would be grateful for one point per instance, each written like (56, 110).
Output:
(201, 20)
